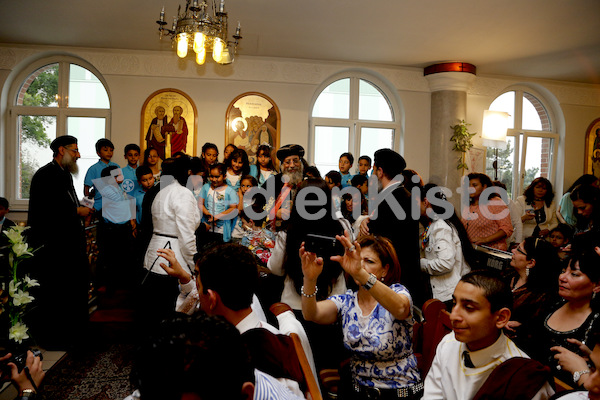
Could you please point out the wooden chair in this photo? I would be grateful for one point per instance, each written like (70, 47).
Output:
(428, 334)
(561, 386)
(312, 386)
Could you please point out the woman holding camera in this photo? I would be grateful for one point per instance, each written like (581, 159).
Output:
(376, 319)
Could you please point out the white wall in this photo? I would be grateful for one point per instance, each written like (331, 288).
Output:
(132, 76)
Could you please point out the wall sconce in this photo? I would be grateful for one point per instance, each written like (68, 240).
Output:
(495, 126)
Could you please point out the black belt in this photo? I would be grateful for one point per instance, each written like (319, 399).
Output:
(165, 235)
(368, 392)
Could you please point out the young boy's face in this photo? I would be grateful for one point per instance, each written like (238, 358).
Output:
(105, 153)
(132, 157)
(364, 188)
(472, 319)
(557, 239)
(344, 165)
(3, 211)
(147, 181)
(363, 167)
(216, 179)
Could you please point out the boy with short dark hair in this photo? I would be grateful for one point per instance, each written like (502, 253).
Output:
(333, 179)
(346, 162)
(145, 179)
(132, 155)
(104, 149)
(364, 165)
(465, 358)
(559, 238)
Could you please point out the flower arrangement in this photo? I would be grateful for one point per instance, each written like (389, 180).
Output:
(18, 299)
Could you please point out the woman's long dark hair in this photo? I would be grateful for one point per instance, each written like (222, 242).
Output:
(239, 153)
(591, 195)
(465, 244)
(299, 227)
(528, 193)
(543, 277)
(586, 179)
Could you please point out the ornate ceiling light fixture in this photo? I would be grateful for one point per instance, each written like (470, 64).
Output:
(203, 30)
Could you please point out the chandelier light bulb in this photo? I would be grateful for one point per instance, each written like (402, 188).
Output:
(218, 49)
(182, 45)
(201, 56)
(199, 42)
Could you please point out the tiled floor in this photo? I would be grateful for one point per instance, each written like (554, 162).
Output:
(9, 392)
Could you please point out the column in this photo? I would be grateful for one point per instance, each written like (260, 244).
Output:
(449, 83)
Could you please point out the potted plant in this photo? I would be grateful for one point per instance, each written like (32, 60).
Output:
(462, 142)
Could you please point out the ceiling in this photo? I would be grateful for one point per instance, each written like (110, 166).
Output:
(549, 39)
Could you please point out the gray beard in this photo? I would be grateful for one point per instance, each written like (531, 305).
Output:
(69, 163)
(293, 178)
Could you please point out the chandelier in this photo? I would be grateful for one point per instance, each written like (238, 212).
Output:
(203, 30)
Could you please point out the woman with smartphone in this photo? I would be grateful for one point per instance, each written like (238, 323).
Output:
(376, 319)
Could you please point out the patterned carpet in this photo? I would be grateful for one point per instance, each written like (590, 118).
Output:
(99, 374)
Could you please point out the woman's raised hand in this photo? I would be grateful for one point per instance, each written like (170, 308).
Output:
(350, 261)
(174, 268)
(312, 266)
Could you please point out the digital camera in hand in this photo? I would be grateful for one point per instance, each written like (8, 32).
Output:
(323, 246)
(20, 360)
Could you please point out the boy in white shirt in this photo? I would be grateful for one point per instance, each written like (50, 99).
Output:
(466, 357)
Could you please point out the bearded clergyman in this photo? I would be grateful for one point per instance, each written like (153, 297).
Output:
(61, 264)
(281, 188)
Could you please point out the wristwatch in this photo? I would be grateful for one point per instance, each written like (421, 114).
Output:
(577, 375)
(27, 394)
(370, 282)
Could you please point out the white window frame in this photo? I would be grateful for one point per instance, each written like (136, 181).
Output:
(517, 131)
(62, 112)
(353, 123)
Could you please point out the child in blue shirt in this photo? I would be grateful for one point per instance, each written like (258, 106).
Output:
(364, 165)
(345, 164)
(218, 200)
(104, 149)
(132, 154)
(145, 179)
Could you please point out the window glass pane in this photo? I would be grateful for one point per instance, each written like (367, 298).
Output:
(531, 118)
(330, 143)
(538, 159)
(373, 139)
(85, 89)
(372, 104)
(87, 130)
(506, 102)
(505, 164)
(334, 100)
(40, 89)
(35, 135)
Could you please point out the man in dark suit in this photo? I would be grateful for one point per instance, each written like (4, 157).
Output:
(391, 217)
(61, 265)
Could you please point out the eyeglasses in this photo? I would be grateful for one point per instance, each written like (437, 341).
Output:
(73, 150)
(521, 251)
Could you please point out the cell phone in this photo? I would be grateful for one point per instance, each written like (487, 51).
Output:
(323, 246)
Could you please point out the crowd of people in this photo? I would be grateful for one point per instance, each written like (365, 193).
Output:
(350, 258)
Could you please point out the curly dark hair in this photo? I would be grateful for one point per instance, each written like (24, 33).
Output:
(548, 197)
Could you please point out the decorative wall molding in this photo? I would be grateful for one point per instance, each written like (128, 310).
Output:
(566, 93)
(165, 64)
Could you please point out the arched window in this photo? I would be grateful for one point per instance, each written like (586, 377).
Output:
(50, 98)
(355, 114)
(532, 140)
